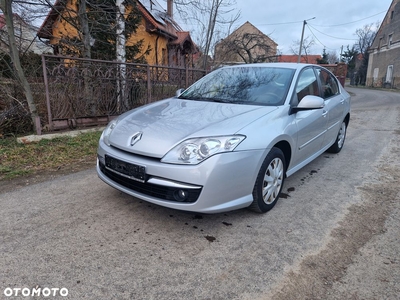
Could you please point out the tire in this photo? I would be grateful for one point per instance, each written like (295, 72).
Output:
(269, 181)
(338, 145)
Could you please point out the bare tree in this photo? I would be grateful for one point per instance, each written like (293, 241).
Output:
(6, 8)
(214, 19)
(307, 45)
(332, 57)
(246, 48)
(366, 36)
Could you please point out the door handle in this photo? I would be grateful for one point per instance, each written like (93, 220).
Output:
(324, 113)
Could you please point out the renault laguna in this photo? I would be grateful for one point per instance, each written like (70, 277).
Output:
(229, 140)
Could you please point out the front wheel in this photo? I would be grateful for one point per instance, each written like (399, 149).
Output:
(269, 181)
(338, 145)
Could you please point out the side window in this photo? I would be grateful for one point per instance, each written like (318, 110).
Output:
(306, 85)
(329, 84)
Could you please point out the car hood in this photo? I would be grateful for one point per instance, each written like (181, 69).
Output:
(160, 126)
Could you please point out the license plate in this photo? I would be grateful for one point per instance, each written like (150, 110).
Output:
(129, 170)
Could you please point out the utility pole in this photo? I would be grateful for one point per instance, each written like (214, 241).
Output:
(301, 40)
(341, 54)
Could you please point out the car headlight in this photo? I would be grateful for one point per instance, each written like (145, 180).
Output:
(107, 131)
(194, 151)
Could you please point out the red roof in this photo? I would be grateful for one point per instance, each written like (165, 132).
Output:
(310, 59)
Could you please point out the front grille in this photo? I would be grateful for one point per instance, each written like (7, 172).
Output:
(153, 190)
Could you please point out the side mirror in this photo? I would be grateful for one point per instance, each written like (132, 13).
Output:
(309, 102)
(179, 92)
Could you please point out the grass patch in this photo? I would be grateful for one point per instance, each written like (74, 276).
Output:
(18, 160)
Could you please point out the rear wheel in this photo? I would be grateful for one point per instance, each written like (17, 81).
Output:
(338, 145)
(269, 181)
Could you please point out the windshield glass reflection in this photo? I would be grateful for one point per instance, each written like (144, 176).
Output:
(243, 85)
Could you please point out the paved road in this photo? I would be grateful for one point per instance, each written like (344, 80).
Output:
(334, 236)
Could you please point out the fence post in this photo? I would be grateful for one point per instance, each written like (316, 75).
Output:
(46, 84)
(38, 126)
(148, 84)
(187, 77)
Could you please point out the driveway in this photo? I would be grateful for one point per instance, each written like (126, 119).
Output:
(334, 234)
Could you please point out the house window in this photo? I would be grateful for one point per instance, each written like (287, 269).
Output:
(389, 74)
(380, 44)
(391, 15)
(390, 40)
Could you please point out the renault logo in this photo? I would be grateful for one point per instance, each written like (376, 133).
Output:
(136, 138)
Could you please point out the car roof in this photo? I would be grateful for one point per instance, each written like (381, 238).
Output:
(294, 66)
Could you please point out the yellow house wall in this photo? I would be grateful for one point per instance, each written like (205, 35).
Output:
(62, 29)
(149, 39)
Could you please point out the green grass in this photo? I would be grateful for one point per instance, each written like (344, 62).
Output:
(18, 160)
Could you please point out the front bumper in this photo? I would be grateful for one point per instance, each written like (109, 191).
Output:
(221, 183)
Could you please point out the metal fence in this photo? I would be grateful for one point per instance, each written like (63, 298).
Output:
(83, 92)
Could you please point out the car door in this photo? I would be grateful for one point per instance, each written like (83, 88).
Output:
(311, 124)
(334, 104)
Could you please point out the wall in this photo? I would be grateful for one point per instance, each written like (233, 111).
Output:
(62, 29)
(155, 41)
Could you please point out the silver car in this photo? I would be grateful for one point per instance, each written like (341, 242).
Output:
(229, 140)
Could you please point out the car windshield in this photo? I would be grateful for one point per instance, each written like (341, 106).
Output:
(243, 85)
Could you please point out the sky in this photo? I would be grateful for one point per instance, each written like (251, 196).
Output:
(334, 25)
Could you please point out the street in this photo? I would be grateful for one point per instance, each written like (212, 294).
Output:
(334, 234)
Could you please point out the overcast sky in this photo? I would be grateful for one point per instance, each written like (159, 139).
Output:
(334, 25)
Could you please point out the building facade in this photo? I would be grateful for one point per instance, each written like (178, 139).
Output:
(247, 44)
(165, 43)
(384, 53)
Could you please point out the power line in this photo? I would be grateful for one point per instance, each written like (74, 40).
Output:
(333, 37)
(353, 21)
(286, 23)
(309, 28)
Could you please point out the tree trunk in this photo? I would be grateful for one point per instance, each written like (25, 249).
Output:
(210, 30)
(5, 6)
(121, 55)
(86, 53)
(83, 20)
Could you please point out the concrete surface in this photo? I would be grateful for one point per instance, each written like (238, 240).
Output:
(36, 138)
(335, 235)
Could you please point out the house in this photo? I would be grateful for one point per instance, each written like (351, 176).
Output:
(25, 36)
(168, 44)
(308, 59)
(384, 53)
(247, 44)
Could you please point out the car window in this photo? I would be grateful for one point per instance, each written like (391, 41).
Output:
(307, 84)
(328, 83)
(243, 85)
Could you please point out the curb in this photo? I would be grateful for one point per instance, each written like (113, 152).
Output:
(36, 138)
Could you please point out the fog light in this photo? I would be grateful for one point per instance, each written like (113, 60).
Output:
(181, 195)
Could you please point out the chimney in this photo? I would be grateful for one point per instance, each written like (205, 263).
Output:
(170, 8)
